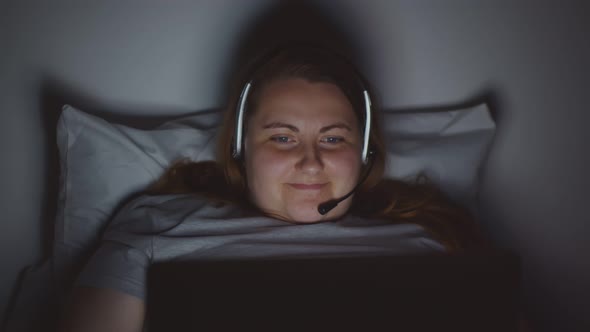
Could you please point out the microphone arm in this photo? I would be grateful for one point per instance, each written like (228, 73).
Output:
(326, 207)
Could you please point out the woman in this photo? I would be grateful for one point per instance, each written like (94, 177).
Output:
(299, 173)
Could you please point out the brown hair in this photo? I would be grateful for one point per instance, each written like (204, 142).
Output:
(224, 180)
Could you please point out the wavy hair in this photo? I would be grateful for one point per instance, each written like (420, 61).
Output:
(224, 180)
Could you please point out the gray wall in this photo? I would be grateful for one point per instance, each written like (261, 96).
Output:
(131, 57)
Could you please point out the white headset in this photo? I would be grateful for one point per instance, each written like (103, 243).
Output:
(238, 136)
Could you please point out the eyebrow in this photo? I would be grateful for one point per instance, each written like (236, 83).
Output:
(274, 125)
(339, 125)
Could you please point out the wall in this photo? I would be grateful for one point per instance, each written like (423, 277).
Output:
(125, 57)
(534, 57)
(131, 57)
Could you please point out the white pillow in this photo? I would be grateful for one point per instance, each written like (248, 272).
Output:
(449, 147)
(104, 164)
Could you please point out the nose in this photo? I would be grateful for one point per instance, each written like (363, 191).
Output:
(310, 160)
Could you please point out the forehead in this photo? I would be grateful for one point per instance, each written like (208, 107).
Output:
(298, 100)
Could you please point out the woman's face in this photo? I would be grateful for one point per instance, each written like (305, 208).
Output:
(302, 148)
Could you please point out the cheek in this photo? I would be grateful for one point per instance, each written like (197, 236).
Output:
(345, 164)
(265, 169)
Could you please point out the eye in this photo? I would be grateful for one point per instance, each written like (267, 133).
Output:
(281, 139)
(332, 140)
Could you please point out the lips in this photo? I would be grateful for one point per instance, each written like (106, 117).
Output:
(303, 186)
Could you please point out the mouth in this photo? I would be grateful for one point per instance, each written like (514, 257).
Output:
(303, 186)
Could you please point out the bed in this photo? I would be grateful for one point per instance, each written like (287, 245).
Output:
(103, 164)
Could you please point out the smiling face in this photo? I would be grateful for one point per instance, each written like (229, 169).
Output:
(302, 148)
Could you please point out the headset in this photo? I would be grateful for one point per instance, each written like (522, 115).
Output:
(366, 153)
(239, 133)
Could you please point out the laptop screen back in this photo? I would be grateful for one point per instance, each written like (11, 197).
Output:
(405, 293)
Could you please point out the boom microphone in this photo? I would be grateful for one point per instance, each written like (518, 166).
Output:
(326, 207)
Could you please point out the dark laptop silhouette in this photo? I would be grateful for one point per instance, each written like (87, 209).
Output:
(400, 293)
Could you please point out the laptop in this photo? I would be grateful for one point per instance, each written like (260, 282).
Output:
(475, 292)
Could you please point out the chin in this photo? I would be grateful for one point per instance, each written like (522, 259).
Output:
(309, 214)
(306, 214)
(306, 220)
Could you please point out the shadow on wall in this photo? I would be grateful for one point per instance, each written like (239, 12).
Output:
(287, 22)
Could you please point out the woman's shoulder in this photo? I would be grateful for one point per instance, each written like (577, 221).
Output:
(394, 232)
(164, 201)
(148, 212)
